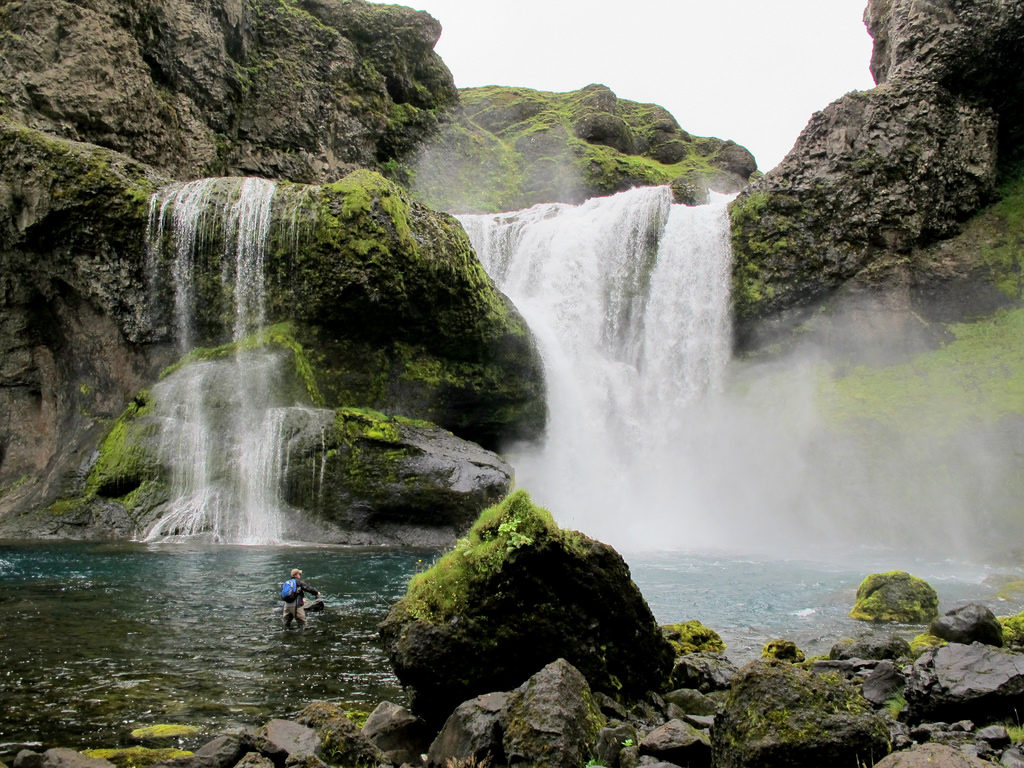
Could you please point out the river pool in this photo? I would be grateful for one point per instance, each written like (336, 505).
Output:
(98, 639)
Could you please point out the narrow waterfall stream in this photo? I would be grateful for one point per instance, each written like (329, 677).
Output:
(221, 434)
(628, 297)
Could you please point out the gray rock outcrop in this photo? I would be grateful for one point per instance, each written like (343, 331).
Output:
(877, 175)
(959, 681)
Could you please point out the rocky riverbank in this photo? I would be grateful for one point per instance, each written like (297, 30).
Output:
(952, 706)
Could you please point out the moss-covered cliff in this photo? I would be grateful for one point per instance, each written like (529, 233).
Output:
(508, 148)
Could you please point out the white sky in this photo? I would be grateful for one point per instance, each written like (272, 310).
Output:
(748, 70)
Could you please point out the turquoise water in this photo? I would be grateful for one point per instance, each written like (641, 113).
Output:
(99, 639)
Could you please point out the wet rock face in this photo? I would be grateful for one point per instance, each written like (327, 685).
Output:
(200, 89)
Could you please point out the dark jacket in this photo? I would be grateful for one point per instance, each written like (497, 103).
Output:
(301, 588)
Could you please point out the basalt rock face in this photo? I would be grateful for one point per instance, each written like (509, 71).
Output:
(878, 176)
(301, 90)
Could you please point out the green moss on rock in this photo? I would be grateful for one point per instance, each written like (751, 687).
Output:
(778, 715)
(895, 596)
(164, 731)
(692, 637)
(136, 757)
(782, 650)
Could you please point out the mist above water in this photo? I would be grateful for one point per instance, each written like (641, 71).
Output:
(657, 440)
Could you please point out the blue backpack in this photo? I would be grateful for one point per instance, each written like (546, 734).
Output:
(288, 590)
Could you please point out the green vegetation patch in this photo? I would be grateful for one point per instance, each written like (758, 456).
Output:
(975, 379)
(440, 592)
(509, 148)
(280, 335)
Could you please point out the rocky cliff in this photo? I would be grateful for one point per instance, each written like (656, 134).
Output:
(878, 177)
(306, 90)
(510, 148)
(107, 110)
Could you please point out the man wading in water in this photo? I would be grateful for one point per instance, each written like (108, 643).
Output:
(292, 592)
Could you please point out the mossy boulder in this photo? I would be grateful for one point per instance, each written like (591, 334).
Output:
(385, 306)
(692, 637)
(509, 148)
(777, 715)
(895, 596)
(1013, 631)
(516, 594)
(782, 650)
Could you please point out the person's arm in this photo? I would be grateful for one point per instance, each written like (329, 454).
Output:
(306, 587)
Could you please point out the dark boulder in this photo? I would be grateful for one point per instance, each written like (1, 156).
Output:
(958, 681)
(931, 756)
(472, 733)
(704, 672)
(552, 719)
(968, 624)
(680, 743)
(339, 736)
(516, 594)
(777, 715)
(285, 740)
(883, 683)
(397, 733)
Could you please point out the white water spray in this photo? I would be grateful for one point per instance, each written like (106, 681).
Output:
(628, 298)
(221, 432)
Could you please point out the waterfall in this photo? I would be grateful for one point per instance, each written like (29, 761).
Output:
(628, 297)
(220, 423)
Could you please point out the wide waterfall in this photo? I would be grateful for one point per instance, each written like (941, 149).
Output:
(221, 425)
(628, 297)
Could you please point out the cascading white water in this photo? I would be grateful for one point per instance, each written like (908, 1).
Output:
(221, 427)
(628, 297)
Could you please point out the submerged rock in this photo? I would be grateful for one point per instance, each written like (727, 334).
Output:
(895, 596)
(516, 594)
